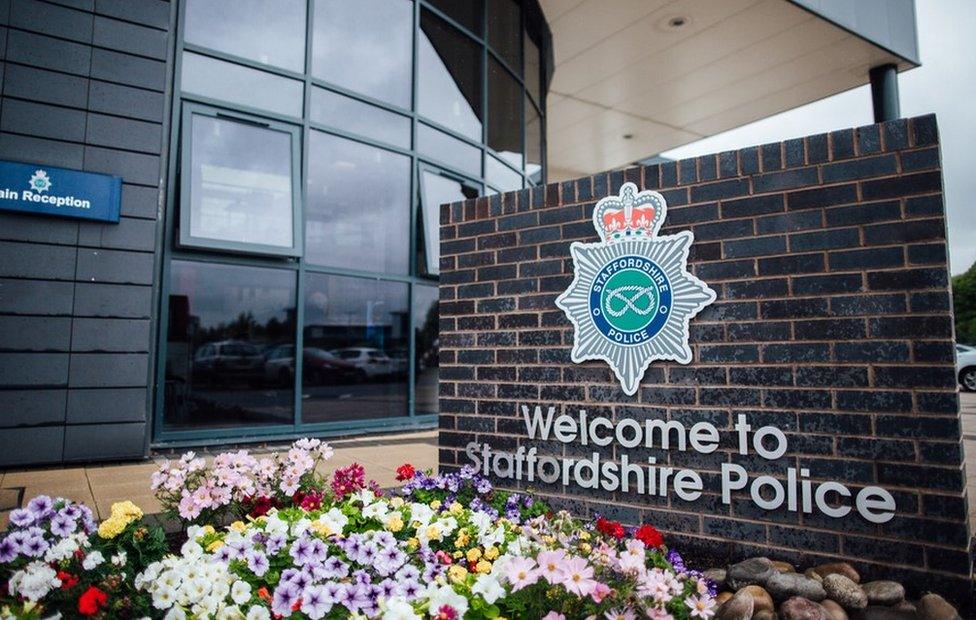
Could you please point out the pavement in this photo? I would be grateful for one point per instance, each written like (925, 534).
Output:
(99, 486)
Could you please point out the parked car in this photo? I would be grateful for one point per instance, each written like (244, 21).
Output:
(375, 363)
(966, 367)
(318, 367)
(229, 361)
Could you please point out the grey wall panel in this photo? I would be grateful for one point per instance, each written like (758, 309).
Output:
(36, 229)
(46, 52)
(108, 370)
(33, 260)
(128, 234)
(19, 446)
(103, 441)
(124, 133)
(33, 333)
(153, 13)
(138, 201)
(47, 86)
(39, 297)
(51, 19)
(41, 151)
(134, 167)
(112, 300)
(113, 266)
(110, 405)
(126, 37)
(32, 407)
(132, 70)
(42, 120)
(33, 369)
(116, 335)
(126, 101)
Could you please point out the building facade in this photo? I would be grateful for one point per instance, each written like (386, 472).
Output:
(282, 165)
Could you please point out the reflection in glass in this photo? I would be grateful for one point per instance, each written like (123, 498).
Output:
(449, 81)
(358, 206)
(240, 180)
(504, 114)
(354, 116)
(533, 143)
(358, 330)
(442, 147)
(272, 33)
(533, 69)
(501, 176)
(468, 13)
(505, 30)
(365, 46)
(217, 79)
(435, 190)
(427, 343)
(223, 322)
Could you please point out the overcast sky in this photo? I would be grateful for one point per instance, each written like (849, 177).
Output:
(944, 84)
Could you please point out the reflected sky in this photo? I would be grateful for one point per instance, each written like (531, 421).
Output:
(449, 82)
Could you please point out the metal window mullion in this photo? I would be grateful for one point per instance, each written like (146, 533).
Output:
(415, 206)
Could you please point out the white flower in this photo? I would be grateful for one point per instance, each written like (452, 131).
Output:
(62, 550)
(194, 532)
(164, 597)
(230, 613)
(258, 612)
(191, 549)
(274, 524)
(34, 581)
(445, 595)
(376, 510)
(92, 560)
(175, 614)
(488, 587)
(119, 559)
(240, 592)
(398, 608)
(299, 527)
(422, 513)
(334, 520)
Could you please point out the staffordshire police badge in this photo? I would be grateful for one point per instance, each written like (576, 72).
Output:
(632, 297)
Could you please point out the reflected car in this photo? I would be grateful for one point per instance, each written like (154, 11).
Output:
(228, 361)
(966, 367)
(318, 367)
(374, 363)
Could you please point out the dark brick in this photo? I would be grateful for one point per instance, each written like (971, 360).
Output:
(869, 139)
(794, 150)
(757, 289)
(728, 353)
(725, 270)
(915, 376)
(904, 232)
(749, 160)
(723, 230)
(928, 253)
(728, 165)
(929, 302)
(719, 190)
(842, 144)
(868, 167)
(835, 283)
(924, 159)
(871, 351)
(757, 246)
(908, 279)
(791, 264)
(924, 205)
(787, 179)
(906, 185)
(874, 400)
(821, 197)
(875, 258)
(825, 240)
(830, 329)
(752, 205)
(817, 149)
(910, 327)
(788, 222)
(758, 332)
(793, 308)
(795, 352)
(772, 156)
(832, 376)
(924, 130)
(867, 304)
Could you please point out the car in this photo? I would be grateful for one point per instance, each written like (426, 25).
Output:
(373, 362)
(229, 361)
(318, 367)
(966, 367)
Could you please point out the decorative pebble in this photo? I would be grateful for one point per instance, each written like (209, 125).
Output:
(886, 593)
(845, 591)
(842, 568)
(761, 600)
(799, 608)
(785, 585)
(738, 607)
(754, 571)
(934, 607)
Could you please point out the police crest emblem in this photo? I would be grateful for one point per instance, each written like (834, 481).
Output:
(632, 296)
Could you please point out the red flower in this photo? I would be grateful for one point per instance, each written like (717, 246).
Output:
(446, 612)
(311, 501)
(649, 535)
(405, 472)
(68, 580)
(610, 528)
(91, 601)
(261, 506)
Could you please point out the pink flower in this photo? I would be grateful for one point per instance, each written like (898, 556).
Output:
(616, 614)
(578, 576)
(654, 613)
(600, 591)
(521, 572)
(701, 606)
(552, 615)
(550, 565)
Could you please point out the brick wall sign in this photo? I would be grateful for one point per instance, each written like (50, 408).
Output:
(815, 414)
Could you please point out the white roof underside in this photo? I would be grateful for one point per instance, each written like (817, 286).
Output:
(620, 69)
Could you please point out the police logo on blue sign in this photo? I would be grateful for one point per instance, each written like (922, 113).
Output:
(632, 296)
(47, 190)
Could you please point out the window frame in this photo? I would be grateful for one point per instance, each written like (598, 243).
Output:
(185, 239)
(422, 168)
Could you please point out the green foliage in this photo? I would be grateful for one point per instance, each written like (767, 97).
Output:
(964, 305)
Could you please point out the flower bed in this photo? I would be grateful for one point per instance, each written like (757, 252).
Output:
(441, 547)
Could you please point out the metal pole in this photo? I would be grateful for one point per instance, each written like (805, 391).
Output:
(884, 92)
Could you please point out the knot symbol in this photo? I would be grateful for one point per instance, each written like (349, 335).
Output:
(638, 292)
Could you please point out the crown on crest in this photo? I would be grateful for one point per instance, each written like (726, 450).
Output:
(630, 215)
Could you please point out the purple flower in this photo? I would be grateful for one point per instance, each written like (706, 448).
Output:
(676, 561)
(358, 597)
(316, 602)
(41, 506)
(301, 551)
(34, 546)
(8, 550)
(63, 525)
(257, 562)
(284, 598)
(275, 543)
(335, 568)
(21, 517)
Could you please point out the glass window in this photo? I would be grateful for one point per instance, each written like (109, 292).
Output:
(358, 206)
(427, 343)
(356, 349)
(449, 150)
(365, 46)
(272, 33)
(354, 116)
(449, 81)
(226, 81)
(504, 114)
(468, 13)
(533, 69)
(238, 187)
(435, 190)
(225, 321)
(505, 30)
(501, 176)
(533, 143)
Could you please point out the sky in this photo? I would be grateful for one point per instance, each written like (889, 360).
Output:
(944, 84)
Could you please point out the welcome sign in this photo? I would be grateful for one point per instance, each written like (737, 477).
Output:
(47, 190)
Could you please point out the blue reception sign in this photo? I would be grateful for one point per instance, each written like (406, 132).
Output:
(46, 190)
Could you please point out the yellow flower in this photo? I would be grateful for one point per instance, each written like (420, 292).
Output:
(462, 540)
(209, 529)
(397, 502)
(491, 553)
(584, 535)
(458, 555)
(126, 510)
(111, 527)
(483, 566)
(413, 543)
(237, 526)
(217, 544)
(435, 504)
(394, 523)
(585, 547)
(457, 573)
(456, 508)
(474, 554)
(433, 532)
(319, 527)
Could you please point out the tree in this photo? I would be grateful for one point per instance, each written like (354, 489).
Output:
(964, 305)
